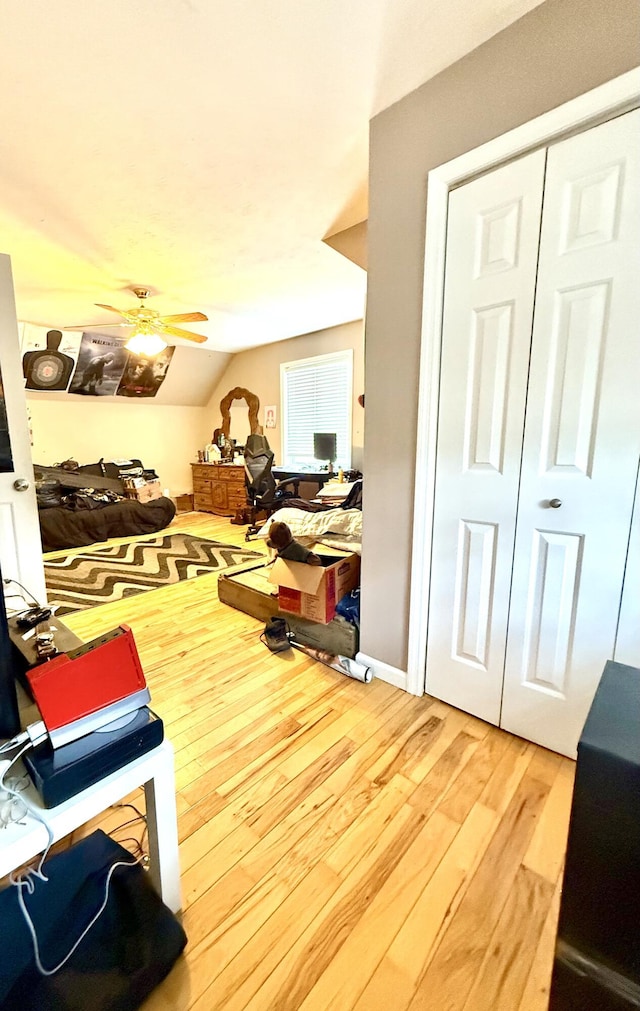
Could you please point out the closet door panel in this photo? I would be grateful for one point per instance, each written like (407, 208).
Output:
(582, 436)
(492, 240)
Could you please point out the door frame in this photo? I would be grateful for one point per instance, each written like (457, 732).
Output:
(620, 95)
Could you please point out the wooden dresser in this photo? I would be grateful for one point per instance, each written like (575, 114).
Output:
(219, 488)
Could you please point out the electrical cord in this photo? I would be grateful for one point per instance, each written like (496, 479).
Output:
(29, 808)
(26, 883)
(24, 880)
(35, 733)
(24, 589)
(140, 818)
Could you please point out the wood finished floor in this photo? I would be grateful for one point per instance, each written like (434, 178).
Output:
(343, 846)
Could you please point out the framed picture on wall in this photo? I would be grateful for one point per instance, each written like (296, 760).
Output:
(270, 416)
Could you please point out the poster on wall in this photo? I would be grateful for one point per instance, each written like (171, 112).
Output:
(101, 363)
(143, 377)
(270, 416)
(48, 358)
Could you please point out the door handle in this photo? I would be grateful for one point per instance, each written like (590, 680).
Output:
(21, 484)
(555, 503)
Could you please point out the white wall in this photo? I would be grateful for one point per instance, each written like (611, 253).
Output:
(165, 438)
(258, 371)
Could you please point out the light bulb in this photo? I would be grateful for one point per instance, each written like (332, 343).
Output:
(147, 344)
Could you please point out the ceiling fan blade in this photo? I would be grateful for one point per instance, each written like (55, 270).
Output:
(175, 331)
(88, 326)
(184, 317)
(111, 308)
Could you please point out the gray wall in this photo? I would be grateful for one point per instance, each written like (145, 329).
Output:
(558, 51)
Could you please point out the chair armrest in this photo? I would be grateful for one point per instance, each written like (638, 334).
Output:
(286, 481)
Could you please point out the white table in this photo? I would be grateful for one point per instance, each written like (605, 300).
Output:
(153, 771)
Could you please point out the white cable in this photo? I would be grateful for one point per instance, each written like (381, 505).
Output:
(24, 880)
(15, 742)
(30, 810)
(36, 733)
(27, 883)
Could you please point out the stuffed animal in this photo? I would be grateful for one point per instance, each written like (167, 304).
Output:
(281, 540)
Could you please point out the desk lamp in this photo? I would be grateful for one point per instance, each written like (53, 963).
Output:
(324, 447)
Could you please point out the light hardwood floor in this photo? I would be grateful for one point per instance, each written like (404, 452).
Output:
(343, 846)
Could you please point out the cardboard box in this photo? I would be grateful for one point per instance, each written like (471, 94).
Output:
(249, 590)
(312, 591)
(149, 491)
(184, 503)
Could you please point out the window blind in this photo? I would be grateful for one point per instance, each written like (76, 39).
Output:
(316, 397)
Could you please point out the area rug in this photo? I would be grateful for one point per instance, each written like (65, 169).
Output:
(76, 582)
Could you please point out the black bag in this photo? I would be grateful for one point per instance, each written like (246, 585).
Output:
(48, 493)
(125, 954)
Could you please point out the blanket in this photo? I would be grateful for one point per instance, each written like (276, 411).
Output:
(340, 528)
(66, 528)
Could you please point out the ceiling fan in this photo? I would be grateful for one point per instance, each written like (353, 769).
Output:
(149, 325)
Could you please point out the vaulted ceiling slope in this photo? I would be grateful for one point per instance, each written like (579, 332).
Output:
(204, 149)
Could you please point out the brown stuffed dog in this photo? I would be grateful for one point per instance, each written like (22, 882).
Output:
(281, 539)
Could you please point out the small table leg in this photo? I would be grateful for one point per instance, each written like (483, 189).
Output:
(162, 827)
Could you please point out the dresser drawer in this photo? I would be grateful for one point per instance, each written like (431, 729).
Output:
(230, 473)
(202, 501)
(201, 484)
(237, 498)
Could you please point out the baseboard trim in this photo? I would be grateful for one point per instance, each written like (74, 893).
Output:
(384, 671)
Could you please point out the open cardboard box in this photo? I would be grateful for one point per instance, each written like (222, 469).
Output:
(250, 591)
(312, 591)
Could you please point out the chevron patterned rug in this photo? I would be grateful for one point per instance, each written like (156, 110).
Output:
(76, 582)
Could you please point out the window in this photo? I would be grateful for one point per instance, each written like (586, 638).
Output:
(316, 397)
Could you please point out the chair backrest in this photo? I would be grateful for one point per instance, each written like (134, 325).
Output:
(257, 467)
(256, 444)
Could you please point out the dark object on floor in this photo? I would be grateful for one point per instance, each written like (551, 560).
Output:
(281, 539)
(276, 635)
(127, 952)
(597, 963)
(265, 494)
(349, 607)
(102, 575)
(66, 528)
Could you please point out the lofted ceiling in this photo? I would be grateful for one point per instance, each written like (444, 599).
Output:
(205, 149)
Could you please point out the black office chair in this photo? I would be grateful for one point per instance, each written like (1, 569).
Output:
(265, 494)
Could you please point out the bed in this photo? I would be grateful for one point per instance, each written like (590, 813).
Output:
(338, 528)
(61, 527)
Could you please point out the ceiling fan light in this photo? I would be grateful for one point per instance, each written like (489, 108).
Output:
(147, 344)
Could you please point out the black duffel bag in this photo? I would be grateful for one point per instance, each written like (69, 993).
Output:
(124, 955)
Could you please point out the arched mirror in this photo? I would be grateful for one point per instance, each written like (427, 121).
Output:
(253, 406)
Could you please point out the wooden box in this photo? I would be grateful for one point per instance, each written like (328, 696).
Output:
(249, 590)
(184, 503)
(149, 491)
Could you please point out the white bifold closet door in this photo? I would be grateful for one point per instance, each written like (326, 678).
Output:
(538, 433)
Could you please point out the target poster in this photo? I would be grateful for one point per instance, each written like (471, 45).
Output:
(49, 357)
